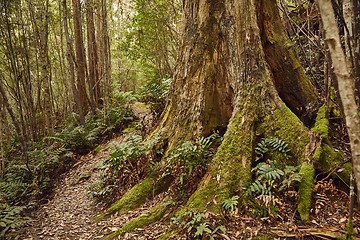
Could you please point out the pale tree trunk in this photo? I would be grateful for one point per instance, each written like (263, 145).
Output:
(71, 61)
(356, 39)
(342, 69)
(39, 11)
(225, 81)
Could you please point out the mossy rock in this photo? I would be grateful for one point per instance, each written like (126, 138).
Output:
(326, 158)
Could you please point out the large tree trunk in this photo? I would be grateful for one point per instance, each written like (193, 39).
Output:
(228, 78)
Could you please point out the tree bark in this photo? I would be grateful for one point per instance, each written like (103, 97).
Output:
(93, 81)
(80, 55)
(225, 81)
(39, 12)
(345, 82)
(71, 61)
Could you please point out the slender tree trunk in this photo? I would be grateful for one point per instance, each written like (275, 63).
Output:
(93, 81)
(80, 55)
(39, 11)
(71, 61)
(106, 56)
(342, 69)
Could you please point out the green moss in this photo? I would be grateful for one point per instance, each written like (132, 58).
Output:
(133, 198)
(230, 168)
(307, 172)
(167, 236)
(326, 158)
(155, 214)
(285, 125)
(349, 230)
(98, 149)
(264, 237)
(322, 123)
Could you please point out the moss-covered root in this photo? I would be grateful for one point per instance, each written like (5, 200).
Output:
(307, 172)
(349, 230)
(132, 199)
(153, 215)
(321, 126)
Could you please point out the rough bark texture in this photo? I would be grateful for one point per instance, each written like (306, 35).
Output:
(345, 82)
(71, 61)
(80, 55)
(223, 81)
(93, 81)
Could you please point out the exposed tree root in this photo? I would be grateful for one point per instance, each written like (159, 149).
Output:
(153, 215)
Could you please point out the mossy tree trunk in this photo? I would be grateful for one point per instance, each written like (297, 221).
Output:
(228, 78)
(234, 60)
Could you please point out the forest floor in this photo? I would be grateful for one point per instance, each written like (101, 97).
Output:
(70, 213)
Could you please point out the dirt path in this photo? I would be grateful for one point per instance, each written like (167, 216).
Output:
(71, 213)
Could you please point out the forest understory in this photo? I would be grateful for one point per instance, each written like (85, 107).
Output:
(71, 213)
(192, 119)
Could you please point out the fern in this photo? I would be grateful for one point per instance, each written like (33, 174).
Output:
(271, 176)
(275, 144)
(11, 218)
(230, 204)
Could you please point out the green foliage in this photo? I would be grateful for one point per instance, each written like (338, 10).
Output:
(82, 138)
(154, 93)
(189, 159)
(269, 145)
(53, 155)
(123, 165)
(151, 38)
(230, 204)
(11, 218)
(271, 176)
(197, 225)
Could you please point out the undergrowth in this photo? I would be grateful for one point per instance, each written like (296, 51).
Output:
(127, 164)
(272, 176)
(24, 183)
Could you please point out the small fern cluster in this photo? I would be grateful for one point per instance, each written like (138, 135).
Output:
(269, 145)
(11, 218)
(230, 205)
(81, 138)
(198, 226)
(154, 93)
(189, 160)
(126, 164)
(271, 176)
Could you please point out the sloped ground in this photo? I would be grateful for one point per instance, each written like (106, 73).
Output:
(70, 213)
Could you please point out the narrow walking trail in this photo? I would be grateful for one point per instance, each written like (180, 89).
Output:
(70, 214)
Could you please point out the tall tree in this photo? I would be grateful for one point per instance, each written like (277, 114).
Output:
(93, 81)
(39, 11)
(80, 55)
(233, 75)
(343, 69)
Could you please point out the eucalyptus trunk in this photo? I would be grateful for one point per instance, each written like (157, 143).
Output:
(233, 75)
